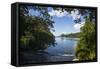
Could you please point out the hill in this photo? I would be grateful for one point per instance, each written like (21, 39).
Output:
(71, 35)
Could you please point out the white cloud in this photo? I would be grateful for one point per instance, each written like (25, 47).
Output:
(78, 26)
(58, 13)
(75, 14)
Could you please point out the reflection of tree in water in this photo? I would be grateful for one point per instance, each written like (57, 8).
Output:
(62, 38)
(35, 34)
(30, 57)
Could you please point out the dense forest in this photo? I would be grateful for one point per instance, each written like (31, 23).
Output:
(86, 48)
(36, 35)
(71, 35)
(34, 28)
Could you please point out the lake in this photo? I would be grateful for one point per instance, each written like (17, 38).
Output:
(64, 50)
(64, 46)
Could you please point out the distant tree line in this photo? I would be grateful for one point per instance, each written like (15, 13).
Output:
(71, 35)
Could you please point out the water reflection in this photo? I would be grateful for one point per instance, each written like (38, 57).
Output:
(64, 45)
(64, 50)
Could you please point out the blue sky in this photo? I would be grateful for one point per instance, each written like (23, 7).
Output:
(64, 22)
(64, 25)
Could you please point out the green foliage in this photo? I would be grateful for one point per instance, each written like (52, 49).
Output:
(84, 12)
(35, 31)
(86, 45)
(71, 35)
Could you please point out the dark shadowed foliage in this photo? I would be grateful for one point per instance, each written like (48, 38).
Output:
(35, 31)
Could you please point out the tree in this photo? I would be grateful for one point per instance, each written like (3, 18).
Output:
(83, 11)
(71, 35)
(35, 31)
(86, 46)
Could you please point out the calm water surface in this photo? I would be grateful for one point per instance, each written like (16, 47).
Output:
(64, 46)
(64, 50)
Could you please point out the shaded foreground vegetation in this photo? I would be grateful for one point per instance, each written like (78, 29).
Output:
(86, 48)
(35, 32)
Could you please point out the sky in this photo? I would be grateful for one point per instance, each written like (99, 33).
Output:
(64, 22)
